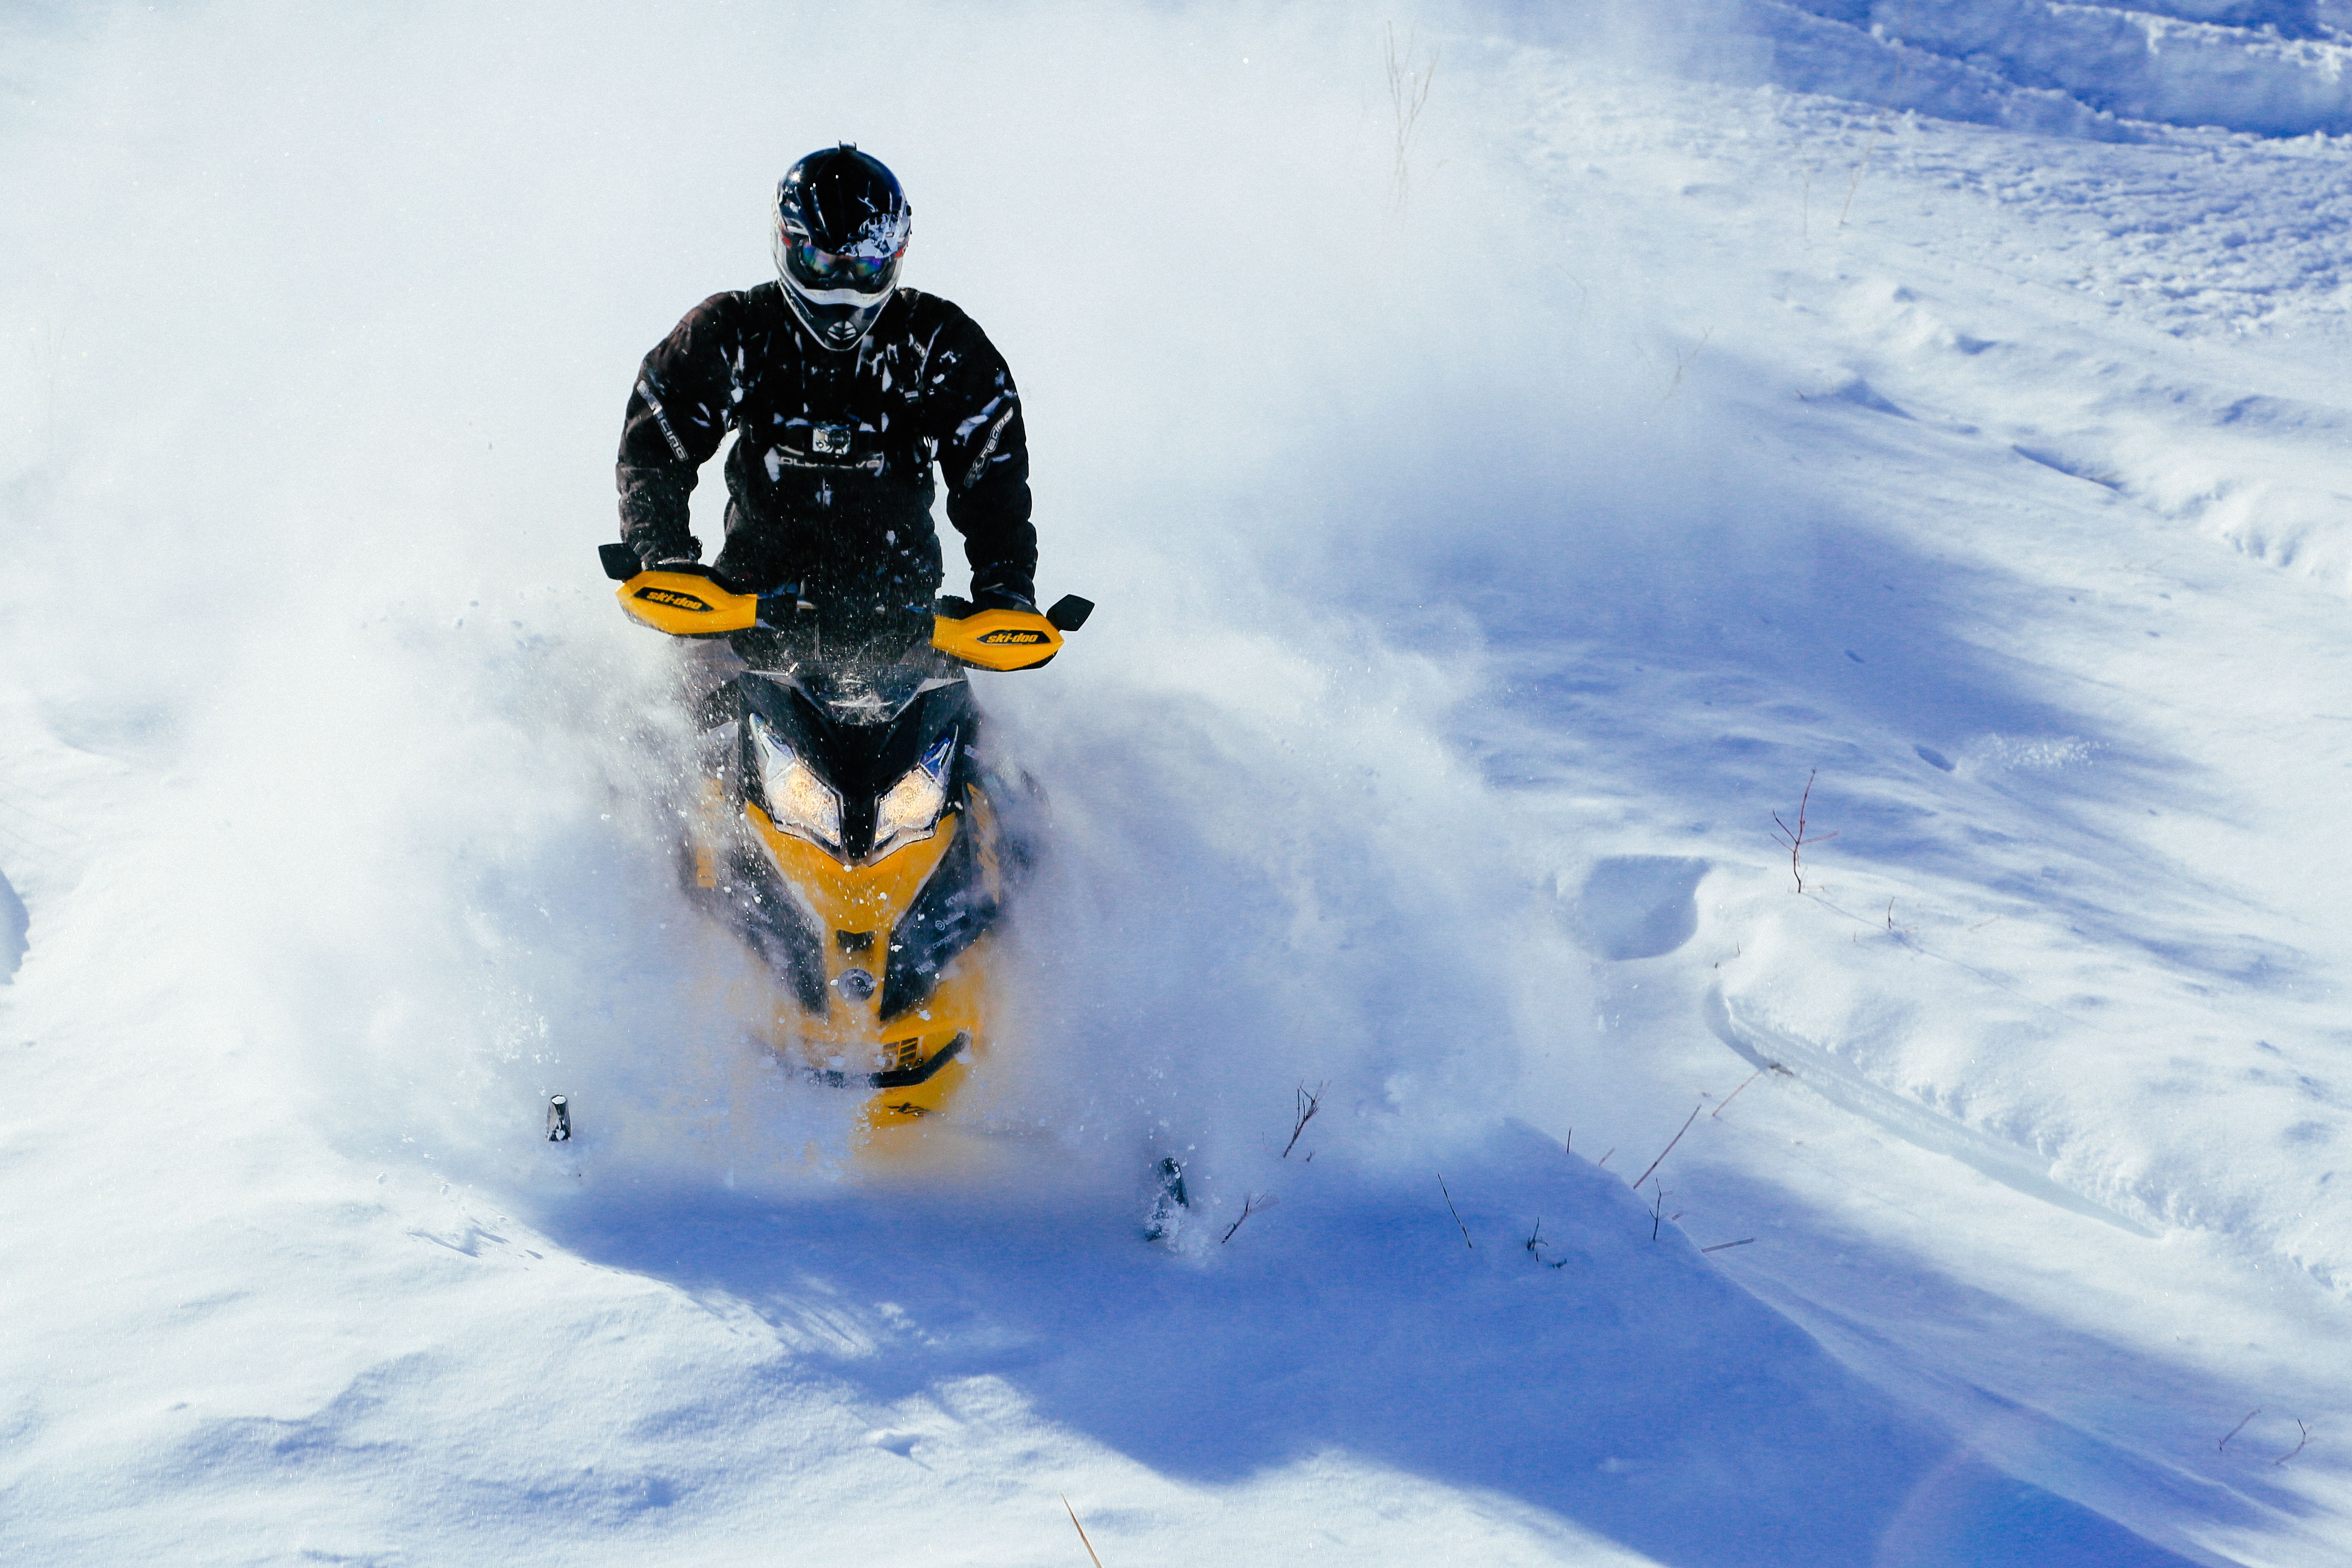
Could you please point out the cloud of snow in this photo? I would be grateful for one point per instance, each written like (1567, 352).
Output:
(325, 399)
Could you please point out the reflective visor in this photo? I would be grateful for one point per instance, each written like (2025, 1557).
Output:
(813, 267)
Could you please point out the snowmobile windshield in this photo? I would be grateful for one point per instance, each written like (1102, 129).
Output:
(871, 693)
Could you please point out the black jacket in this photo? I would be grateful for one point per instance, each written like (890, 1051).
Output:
(830, 484)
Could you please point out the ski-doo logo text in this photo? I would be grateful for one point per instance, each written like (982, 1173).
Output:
(1010, 635)
(670, 596)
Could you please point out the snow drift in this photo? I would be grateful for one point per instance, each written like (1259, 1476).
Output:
(1497, 519)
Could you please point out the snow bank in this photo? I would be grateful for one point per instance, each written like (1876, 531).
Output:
(2275, 68)
(1469, 609)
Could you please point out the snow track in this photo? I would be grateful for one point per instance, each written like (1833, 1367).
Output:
(1470, 608)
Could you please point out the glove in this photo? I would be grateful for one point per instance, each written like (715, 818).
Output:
(694, 568)
(671, 555)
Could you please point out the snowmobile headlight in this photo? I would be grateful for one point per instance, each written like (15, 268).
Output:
(910, 810)
(799, 801)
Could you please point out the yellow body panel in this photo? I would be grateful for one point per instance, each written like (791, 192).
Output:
(997, 639)
(686, 606)
(851, 1038)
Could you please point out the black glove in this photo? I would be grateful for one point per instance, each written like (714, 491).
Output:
(671, 555)
(693, 568)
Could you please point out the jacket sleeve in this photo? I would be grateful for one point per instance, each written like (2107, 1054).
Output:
(679, 412)
(984, 456)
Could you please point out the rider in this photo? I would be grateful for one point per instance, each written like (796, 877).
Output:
(844, 388)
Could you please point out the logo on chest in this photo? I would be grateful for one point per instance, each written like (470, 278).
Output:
(830, 440)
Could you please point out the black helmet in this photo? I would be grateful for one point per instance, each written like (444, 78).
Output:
(841, 231)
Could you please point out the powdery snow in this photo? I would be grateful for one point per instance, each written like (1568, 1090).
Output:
(1493, 533)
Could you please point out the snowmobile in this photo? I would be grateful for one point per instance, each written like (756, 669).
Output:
(850, 831)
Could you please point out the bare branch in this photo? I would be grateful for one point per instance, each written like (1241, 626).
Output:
(1727, 1098)
(1081, 1529)
(2241, 1427)
(1308, 1104)
(1408, 95)
(1797, 838)
(1670, 1144)
(1251, 1203)
(1455, 1212)
(2299, 1442)
(1720, 1246)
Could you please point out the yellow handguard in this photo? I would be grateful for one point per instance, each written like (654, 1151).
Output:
(997, 639)
(686, 606)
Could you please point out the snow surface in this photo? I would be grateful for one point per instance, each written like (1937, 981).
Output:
(1940, 404)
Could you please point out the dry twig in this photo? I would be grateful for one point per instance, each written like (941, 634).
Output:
(1308, 1104)
(1670, 1144)
(1408, 94)
(1081, 1529)
(1797, 838)
(2304, 1437)
(1727, 1098)
(1455, 1212)
(2241, 1427)
(1251, 1203)
(1720, 1246)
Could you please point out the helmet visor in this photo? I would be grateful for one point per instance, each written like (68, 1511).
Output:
(818, 269)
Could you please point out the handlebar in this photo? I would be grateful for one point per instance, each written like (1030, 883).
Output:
(692, 601)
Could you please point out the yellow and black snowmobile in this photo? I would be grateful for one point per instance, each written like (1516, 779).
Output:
(852, 833)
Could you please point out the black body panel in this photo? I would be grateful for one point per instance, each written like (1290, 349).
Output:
(775, 924)
(946, 917)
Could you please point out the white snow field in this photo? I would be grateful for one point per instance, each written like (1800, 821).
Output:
(1498, 514)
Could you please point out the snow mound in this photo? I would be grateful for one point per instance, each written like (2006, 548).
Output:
(2278, 69)
(15, 924)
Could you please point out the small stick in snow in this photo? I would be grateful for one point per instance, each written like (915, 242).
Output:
(1251, 1203)
(1408, 94)
(1569, 1147)
(1535, 1238)
(1727, 1098)
(2299, 1442)
(1797, 838)
(1308, 1104)
(2241, 1427)
(1657, 1213)
(1604, 1159)
(1670, 1145)
(1081, 1529)
(1456, 1214)
(1720, 1246)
